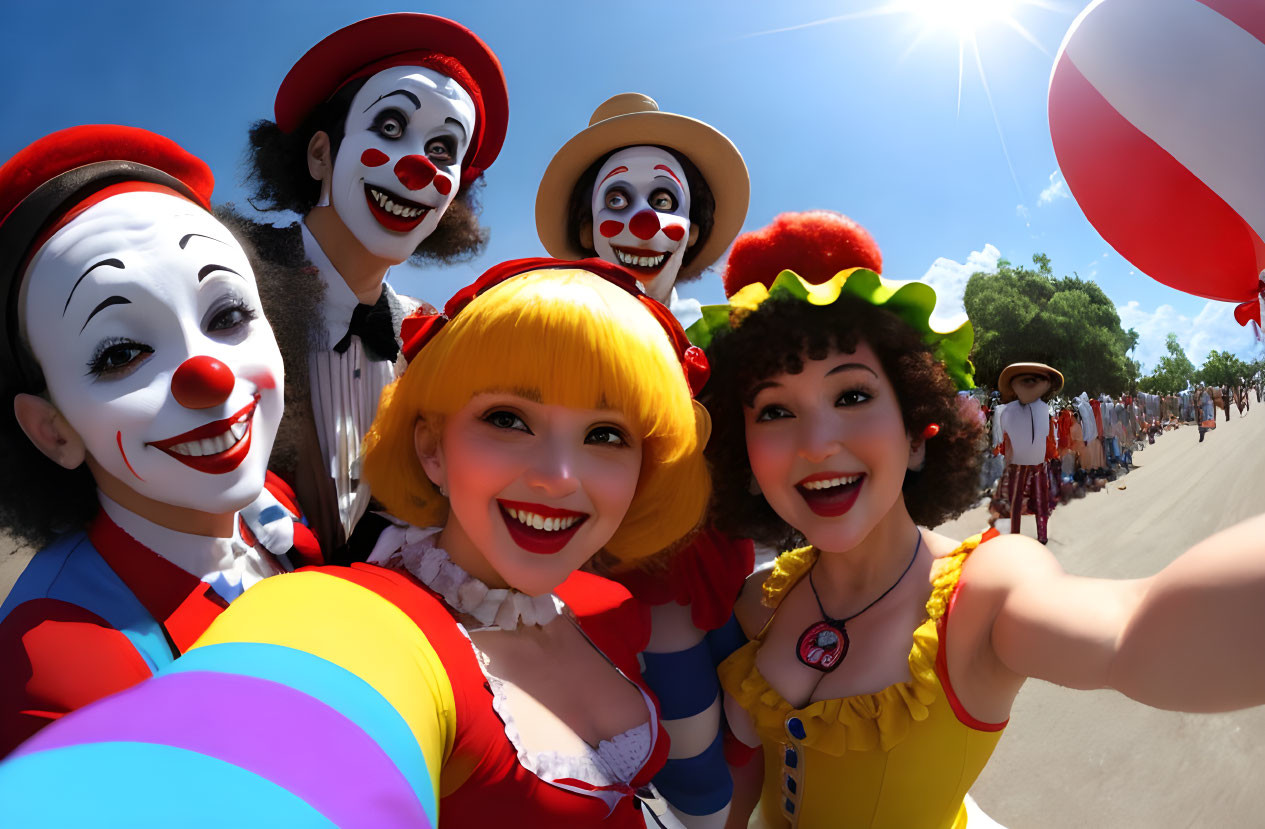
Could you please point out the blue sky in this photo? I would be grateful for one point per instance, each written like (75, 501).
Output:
(859, 115)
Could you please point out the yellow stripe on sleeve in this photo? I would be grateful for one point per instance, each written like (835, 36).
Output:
(358, 630)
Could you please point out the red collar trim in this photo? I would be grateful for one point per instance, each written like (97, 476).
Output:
(183, 604)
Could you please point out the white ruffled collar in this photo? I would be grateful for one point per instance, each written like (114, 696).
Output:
(415, 549)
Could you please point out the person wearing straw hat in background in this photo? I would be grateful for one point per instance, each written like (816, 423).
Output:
(662, 195)
(659, 193)
(1026, 389)
(382, 131)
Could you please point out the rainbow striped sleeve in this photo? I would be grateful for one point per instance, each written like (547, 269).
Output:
(312, 701)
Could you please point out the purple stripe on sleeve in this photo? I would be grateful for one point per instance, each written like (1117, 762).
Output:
(272, 730)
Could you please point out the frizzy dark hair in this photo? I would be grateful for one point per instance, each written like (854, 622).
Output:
(278, 177)
(776, 338)
(702, 202)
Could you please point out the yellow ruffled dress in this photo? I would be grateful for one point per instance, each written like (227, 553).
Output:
(902, 758)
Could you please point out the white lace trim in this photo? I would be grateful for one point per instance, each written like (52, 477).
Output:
(614, 761)
(414, 549)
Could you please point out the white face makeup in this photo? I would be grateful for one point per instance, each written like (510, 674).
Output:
(123, 296)
(641, 216)
(399, 164)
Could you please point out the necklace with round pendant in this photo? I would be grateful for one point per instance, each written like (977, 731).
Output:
(824, 645)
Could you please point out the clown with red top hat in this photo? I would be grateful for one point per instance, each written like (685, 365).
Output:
(142, 392)
(382, 133)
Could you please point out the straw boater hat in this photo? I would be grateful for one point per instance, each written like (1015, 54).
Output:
(628, 120)
(1013, 370)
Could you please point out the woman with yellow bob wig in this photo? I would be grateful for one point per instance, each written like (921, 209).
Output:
(568, 338)
(470, 674)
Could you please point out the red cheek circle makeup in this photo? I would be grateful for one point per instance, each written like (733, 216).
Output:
(373, 157)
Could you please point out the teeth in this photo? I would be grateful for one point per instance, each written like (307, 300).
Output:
(535, 521)
(832, 482)
(214, 446)
(640, 261)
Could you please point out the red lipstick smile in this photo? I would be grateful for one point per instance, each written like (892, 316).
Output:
(557, 526)
(642, 261)
(384, 204)
(831, 494)
(215, 448)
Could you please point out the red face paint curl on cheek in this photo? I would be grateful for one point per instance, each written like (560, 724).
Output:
(610, 229)
(674, 232)
(374, 158)
(118, 438)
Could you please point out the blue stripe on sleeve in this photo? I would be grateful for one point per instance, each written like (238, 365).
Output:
(684, 681)
(725, 639)
(698, 785)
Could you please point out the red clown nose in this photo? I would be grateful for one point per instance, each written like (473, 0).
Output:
(645, 224)
(202, 382)
(415, 171)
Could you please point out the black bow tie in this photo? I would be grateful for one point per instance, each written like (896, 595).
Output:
(372, 324)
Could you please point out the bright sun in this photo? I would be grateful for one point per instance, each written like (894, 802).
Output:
(963, 16)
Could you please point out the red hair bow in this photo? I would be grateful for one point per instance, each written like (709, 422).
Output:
(418, 328)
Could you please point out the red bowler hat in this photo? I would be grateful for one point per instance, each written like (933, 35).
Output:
(405, 39)
(46, 183)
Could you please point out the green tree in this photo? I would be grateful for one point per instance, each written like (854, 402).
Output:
(1172, 373)
(1223, 369)
(1026, 314)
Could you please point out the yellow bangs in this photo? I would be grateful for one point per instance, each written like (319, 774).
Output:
(565, 337)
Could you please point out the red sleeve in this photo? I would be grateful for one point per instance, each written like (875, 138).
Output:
(306, 551)
(58, 657)
(706, 574)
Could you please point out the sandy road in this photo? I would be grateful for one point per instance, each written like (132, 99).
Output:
(1095, 758)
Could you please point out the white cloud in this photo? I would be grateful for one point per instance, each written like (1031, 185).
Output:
(1212, 329)
(1056, 190)
(1022, 212)
(949, 279)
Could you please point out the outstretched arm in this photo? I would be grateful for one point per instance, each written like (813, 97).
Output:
(1188, 638)
(314, 700)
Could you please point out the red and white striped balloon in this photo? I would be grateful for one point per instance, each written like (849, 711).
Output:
(1157, 112)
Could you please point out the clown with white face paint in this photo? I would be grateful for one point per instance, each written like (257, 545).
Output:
(663, 195)
(641, 212)
(144, 386)
(659, 193)
(399, 165)
(382, 131)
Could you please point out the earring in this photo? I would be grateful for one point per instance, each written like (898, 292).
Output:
(443, 491)
(754, 487)
(931, 431)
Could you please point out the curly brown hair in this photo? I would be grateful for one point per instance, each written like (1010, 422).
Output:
(702, 203)
(778, 337)
(277, 172)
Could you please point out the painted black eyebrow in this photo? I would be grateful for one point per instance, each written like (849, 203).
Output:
(458, 125)
(417, 104)
(768, 384)
(114, 300)
(846, 366)
(207, 270)
(113, 263)
(184, 240)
